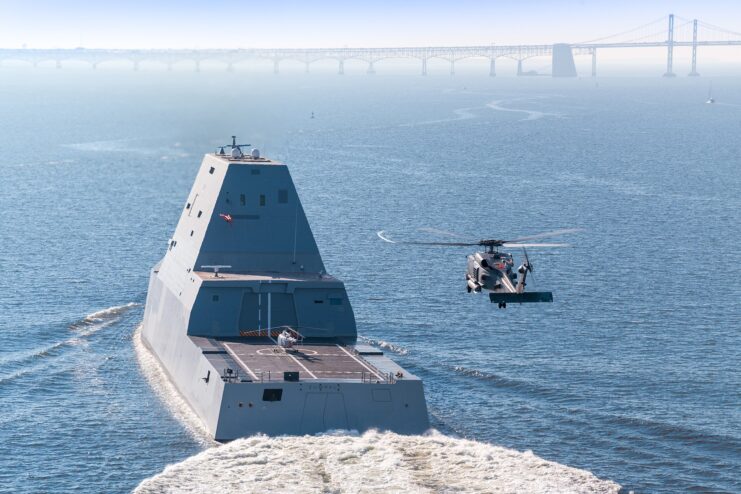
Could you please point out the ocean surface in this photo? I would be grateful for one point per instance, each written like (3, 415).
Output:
(631, 376)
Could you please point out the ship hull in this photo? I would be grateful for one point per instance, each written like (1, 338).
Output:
(233, 408)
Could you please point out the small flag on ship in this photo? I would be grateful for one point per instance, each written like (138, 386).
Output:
(227, 217)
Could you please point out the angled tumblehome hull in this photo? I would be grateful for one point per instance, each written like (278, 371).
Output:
(241, 267)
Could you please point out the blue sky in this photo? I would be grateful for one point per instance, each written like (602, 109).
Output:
(229, 24)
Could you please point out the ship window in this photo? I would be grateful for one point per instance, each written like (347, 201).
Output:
(318, 301)
(262, 199)
(335, 301)
(200, 213)
(283, 196)
(211, 170)
(242, 199)
(187, 206)
(215, 298)
(272, 394)
(191, 233)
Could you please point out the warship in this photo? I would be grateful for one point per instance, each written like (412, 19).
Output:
(249, 327)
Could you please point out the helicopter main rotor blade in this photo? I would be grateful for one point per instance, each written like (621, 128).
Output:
(447, 244)
(553, 233)
(510, 245)
(437, 231)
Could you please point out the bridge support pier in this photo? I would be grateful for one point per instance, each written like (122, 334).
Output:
(306, 69)
(136, 65)
(341, 70)
(198, 65)
(276, 66)
(230, 67)
(693, 72)
(452, 67)
(371, 70)
(670, 49)
(519, 67)
(563, 61)
(493, 67)
(594, 62)
(424, 66)
(59, 64)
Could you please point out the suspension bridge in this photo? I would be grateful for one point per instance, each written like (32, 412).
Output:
(667, 32)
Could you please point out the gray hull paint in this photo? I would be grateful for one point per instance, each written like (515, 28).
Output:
(183, 323)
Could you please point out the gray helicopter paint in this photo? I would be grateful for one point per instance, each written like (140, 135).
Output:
(211, 334)
(493, 271)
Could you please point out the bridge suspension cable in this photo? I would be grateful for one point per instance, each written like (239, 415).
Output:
(642, 27)
(727, 32)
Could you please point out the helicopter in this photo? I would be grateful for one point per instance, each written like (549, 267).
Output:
(494, 271)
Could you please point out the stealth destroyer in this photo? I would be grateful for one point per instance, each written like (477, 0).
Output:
(250, 328)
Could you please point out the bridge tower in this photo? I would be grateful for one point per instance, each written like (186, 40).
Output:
(693, 72)
(594, 62)
(562, 63)
(670, 49)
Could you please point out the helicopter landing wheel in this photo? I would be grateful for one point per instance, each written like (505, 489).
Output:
(502, 305)
(468, 289)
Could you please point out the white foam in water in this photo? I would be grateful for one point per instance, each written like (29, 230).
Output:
(400, 350)
(531, 114)
(372, 463)
(87, 326)
(96, 321)
(460, 114)
(109, 312)
(167, 392)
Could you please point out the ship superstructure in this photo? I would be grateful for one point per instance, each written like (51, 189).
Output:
(250, 328)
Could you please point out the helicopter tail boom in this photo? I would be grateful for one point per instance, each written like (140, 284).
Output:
(520, 298)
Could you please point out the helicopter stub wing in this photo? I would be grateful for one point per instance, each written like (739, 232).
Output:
(520, 298)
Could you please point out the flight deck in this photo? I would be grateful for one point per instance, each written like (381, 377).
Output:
(261, 359)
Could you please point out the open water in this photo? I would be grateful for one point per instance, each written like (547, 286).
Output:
(631, 374)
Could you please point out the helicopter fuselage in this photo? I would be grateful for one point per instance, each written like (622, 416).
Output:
(494, 272)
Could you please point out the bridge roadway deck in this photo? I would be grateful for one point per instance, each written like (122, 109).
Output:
(260, 359)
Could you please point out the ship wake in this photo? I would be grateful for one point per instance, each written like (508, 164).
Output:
(374, 463)
(31, 361)
(168, 394)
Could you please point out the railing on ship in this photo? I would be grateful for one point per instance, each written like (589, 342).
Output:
(368, 377)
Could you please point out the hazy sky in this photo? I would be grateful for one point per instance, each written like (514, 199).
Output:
(281, 23)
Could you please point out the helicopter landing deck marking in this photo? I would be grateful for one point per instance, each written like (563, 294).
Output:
(272, 353)
(263, 359)
(236, 357)
(361, 363)
(303, 366)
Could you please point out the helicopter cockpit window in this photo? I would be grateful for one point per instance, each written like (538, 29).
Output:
(484, 264)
